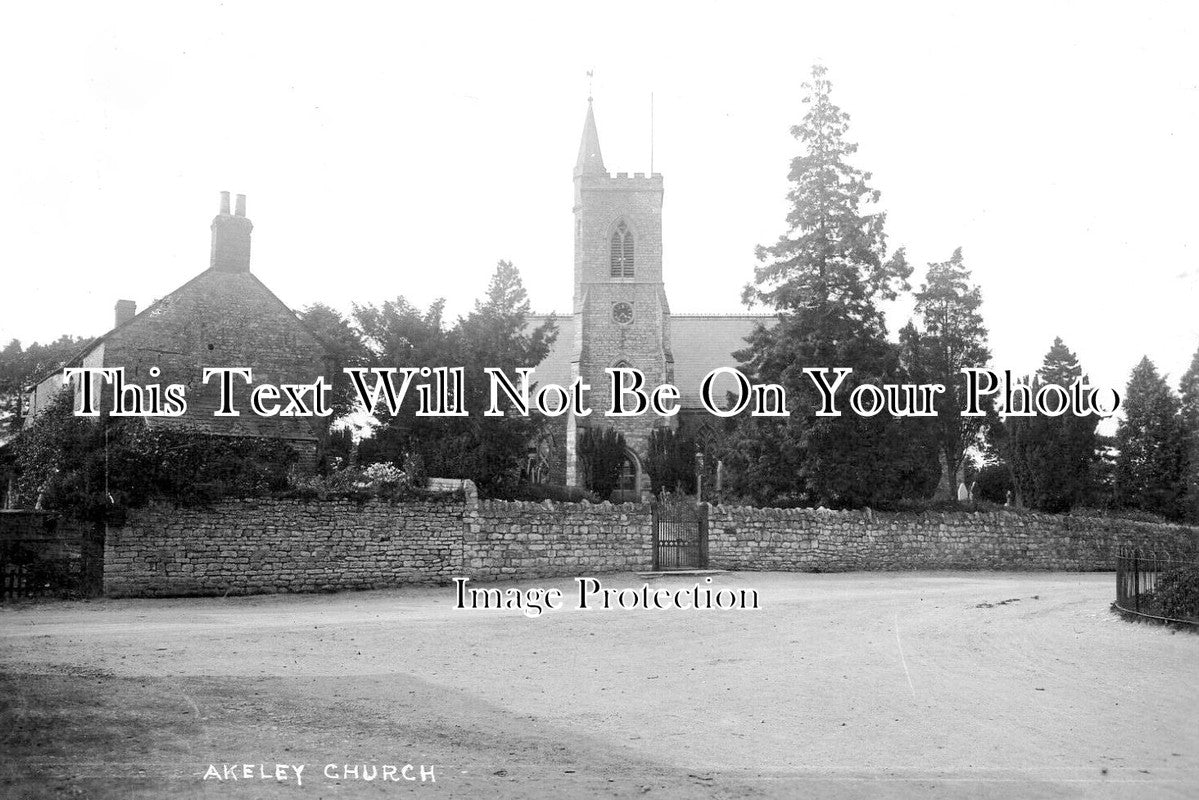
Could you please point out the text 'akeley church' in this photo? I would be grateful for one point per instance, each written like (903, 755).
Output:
(620, 317)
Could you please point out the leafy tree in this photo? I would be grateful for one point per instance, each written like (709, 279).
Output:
(993, 483)
(824, 277)
(488, 450)
(20, 367)
(398, 333)
(764, 459)
(494, 334)
(601, 453)
(1149, 466)
(344, 347)
(953, 337)
(1189, 410)
(12, 370)
(1054, 461)
(670, 460)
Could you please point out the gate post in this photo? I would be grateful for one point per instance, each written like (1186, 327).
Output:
(654, 513)
(703, 536)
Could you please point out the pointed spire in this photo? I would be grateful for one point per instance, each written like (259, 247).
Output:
(591, 161)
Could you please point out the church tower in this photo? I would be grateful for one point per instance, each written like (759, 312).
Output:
(621, 317)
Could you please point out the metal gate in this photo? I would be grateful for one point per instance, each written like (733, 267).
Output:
(41, 554)
(680, 536)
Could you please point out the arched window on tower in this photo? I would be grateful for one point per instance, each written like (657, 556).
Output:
(622, 251)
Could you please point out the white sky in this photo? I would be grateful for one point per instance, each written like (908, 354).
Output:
(390, 150)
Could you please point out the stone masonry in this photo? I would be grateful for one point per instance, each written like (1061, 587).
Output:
(263, 546)
(268, 546)
(819, 540)
(526, 540)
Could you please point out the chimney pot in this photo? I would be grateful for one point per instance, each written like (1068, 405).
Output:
(125, 311)
(231, 237)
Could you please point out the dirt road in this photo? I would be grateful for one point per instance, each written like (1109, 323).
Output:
(841, 686)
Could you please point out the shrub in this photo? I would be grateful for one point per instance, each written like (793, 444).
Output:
(414, 468)
(379, 480)
(382, 476)
(993, 483)
(335, 451)
(1130, 514)
(670, 461)
(601, 455)
(1177, 591)
(933, 506)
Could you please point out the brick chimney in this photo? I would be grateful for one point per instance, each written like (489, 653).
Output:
(231, 237)
(126, 309)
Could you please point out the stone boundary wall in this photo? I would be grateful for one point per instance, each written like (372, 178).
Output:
(262, 546)
(534, 540)
(805, 539)
(266, 546)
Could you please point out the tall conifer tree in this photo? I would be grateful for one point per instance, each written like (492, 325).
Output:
(1149, 465)
(1053, 460)
(824, 276)
(953, 337)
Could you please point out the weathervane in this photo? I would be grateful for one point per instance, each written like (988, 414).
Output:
(590, 75)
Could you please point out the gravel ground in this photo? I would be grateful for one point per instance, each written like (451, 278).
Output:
(841, 686)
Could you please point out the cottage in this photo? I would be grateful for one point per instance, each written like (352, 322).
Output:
(223, 317)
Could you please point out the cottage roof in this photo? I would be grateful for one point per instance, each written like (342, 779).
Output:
(157, 307)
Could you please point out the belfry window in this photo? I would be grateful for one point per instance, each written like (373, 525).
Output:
(622, 251)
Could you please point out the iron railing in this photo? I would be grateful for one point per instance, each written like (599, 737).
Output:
(1162, 586)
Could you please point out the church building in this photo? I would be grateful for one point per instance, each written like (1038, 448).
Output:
(620, 317)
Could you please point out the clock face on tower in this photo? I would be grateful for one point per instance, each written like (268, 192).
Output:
(622, 313)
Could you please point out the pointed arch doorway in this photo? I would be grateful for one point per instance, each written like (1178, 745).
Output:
(628, 482)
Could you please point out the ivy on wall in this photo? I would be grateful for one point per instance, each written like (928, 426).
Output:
(96, 469)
